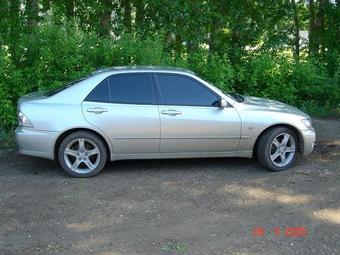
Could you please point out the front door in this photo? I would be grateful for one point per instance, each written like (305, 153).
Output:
(124, 107)
(191, 120)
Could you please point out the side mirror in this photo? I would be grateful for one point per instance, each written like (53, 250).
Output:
(222, 103)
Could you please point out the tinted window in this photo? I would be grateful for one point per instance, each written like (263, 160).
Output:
(131, 88)
(100, 93)
(181, 90)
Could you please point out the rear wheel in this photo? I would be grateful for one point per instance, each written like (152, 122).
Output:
(277, 148)
(82, 154)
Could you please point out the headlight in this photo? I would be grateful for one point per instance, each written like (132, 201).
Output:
(23, 120)
(308, 123)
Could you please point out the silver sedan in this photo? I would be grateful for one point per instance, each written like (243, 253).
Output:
(156, 112)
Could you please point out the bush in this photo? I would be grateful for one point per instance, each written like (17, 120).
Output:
(266, 76)
(10, 87)
(306, 84)
(54, 55)
(317, 92)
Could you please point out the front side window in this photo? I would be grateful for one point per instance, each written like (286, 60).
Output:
(182, 90)
(131, 88)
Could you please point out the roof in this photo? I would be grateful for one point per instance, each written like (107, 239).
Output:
(143, 68)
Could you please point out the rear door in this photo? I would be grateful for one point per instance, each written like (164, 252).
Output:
(124, 107)
(191, 120)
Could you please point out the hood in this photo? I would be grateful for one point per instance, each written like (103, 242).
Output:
(264, 104)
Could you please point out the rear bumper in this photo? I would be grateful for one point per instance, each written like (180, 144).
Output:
(308, 137)
(35, 143)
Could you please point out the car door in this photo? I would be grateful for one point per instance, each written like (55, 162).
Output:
(124, 107)
(191, 120)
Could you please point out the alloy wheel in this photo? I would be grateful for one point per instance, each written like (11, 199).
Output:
(282, 150)
(82, 155)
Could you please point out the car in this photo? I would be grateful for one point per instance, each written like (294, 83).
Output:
(123, 113)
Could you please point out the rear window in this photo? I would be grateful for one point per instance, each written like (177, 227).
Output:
(54, 91)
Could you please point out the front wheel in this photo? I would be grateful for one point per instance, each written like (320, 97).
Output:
(82, 154)
(277, 149)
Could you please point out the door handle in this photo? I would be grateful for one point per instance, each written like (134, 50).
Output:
(171, 112)
(96, 110)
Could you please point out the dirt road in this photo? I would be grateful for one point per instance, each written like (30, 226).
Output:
(204, 206)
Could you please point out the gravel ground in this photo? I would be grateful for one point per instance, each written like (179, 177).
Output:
(192, 206)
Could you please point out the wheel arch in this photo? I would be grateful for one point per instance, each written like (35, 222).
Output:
(291, 127)
(70, 131)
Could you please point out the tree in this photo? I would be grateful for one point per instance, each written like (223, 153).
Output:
(32, 12)
(105, 17)
(296, 31)
(14, 28)
(127, 19)
(70, 9)
(140, 10)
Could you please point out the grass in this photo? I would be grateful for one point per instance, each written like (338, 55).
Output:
(7, 140)
(174, 248)
(321, 112)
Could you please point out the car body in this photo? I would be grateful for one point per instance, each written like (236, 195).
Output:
(155, 112)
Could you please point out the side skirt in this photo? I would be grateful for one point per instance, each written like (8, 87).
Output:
(244, 154)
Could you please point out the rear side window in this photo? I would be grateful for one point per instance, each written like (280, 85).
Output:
(182, 90)
(100, 93)
(131, 89)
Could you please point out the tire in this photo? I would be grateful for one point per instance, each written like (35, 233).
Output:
(274, 146)
(82, 154)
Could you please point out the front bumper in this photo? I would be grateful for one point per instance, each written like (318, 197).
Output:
(35, 143)
(308, 138)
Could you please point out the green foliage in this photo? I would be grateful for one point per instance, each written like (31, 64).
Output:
(266, 76)
(306, 84)
(10, 80)
(135, 50)
(53, 54)
(213, 68)
(174, 248)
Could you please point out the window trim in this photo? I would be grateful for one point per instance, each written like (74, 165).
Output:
(160, 97)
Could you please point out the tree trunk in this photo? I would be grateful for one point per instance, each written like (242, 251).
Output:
(139, 14)
(4, 7)
(313, 27)
(235, 52)
(127, 15)
(14, 28)
(32, 12)
(105, 18)
(215, 32)
(320, 22)
(296, 31)
(70, 6)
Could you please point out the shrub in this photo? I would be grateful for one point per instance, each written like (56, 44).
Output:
(316, 90)
(53, 55)
(266, 76)
(10, 86)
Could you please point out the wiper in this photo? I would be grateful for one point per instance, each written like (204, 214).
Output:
(237, 97)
